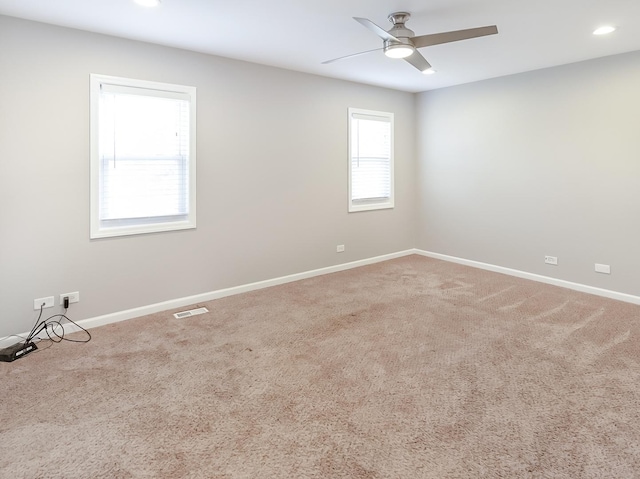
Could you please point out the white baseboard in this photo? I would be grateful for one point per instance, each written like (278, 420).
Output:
(221, 293)
(627, 298)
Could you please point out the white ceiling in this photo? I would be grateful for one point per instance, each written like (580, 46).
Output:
(301, 34)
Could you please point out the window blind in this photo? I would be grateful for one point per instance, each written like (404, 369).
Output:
(370, 158)
(144, 155)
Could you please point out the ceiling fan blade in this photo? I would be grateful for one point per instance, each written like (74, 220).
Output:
(418, 61)
(382, 33)
(352, 55)
(448, 37)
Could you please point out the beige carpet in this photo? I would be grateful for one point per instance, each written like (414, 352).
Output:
(412, 368)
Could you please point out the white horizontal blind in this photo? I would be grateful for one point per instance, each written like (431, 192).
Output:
(144, 155)
(371, 158)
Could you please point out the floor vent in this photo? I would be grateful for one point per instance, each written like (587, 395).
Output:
(191, 312)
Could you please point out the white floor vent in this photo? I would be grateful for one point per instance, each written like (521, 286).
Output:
(191, 312)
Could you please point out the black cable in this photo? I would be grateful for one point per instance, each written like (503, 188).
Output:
(30, 335)
(49, 326)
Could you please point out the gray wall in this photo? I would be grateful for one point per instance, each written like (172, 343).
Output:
(541, 163)
(272, 176)
(508, 170)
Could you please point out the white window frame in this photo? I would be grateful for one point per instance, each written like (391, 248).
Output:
(147, 225)
(372, 203)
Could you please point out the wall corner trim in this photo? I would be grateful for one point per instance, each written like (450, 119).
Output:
(583, 288)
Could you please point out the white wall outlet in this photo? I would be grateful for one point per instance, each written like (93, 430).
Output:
(551, 259)
(43, 303)
(603, 268)
(340, 248)
(73, 297)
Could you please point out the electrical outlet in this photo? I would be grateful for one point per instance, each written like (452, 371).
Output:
(603, 268)
(73, 297)
(340, 248)
(551, 259)
(43, 302)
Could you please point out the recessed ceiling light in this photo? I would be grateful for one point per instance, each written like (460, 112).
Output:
(604, 30)
(429, 71)
(148, 3)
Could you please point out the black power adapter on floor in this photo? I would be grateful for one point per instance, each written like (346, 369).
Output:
(16, 351)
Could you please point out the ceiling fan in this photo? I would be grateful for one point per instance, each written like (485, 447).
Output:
(400, 42)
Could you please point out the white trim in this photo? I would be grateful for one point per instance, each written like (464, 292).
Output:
(143, 87)
(386, 117)
(221, 293)
(583, 288)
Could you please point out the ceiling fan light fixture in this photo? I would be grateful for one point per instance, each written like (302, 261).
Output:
(398, 50)
(148, 3)
(605, 30)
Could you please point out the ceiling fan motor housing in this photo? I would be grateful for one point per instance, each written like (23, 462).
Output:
(401, 45)
(399, 30)
(390, 44)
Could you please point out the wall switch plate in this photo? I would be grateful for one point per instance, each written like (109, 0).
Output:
(551, 259)
(47, 302)
(340, 248)
(73, 297)
(603, 268)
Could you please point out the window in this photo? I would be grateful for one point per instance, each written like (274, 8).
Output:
(143, 156)
(370, 160)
